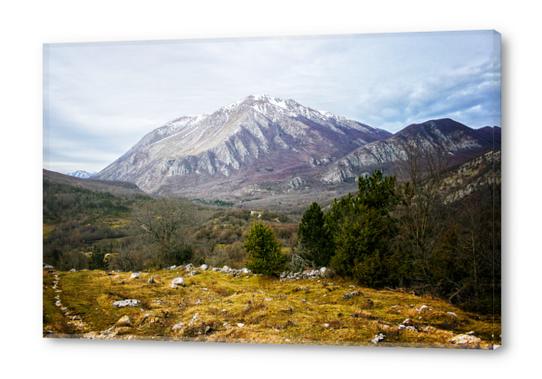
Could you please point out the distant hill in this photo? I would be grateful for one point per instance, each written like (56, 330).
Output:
(113, 187)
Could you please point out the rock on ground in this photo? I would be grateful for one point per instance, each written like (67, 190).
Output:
(124, 321)
(126, 303)
(178, 326)
(323, 272)
(378, 338)
(422, 308)
(349, 295)
(466, 340)
(177, 282)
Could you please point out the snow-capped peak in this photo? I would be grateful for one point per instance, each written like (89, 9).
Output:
(81, 174)
(270, 105)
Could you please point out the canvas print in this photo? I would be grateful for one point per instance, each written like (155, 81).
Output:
(335, 190)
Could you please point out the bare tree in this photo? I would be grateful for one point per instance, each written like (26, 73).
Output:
(162, 221)
(422, 204)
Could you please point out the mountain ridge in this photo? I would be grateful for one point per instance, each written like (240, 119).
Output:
(458, 141)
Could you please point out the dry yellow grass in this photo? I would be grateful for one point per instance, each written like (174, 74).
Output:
(215, 306)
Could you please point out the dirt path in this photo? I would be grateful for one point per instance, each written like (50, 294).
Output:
(72, 320)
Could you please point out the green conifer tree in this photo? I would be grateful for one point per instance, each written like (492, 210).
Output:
(364, 229)
(314, 238)
(263, 251)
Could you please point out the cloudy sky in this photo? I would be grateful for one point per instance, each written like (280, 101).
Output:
(101, 98)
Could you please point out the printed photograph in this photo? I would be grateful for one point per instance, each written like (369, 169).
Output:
(330, 190)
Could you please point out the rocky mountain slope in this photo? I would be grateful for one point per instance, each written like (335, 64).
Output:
(446, 140)
(237, 148)
(471, 176)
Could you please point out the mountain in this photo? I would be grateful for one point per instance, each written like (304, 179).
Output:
(445, 139)
(81, 174)
(264, 151)
(258, 143)
(113, 187)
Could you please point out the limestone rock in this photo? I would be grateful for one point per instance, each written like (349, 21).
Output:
(466, 340)
(178, 326)
(189, 267)
(378, 338)
(423, 308)
(350, 295)
(323, 272)
(124, 321)
(429, 329)
(177, 282)
(126, 303)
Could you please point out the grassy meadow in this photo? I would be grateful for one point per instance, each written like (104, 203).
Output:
(218, 307)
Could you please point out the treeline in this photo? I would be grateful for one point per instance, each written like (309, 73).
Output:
(404, 235)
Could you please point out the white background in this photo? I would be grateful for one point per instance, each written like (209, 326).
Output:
(25, 25)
